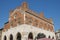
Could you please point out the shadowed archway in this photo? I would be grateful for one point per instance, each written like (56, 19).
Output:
(49, 36)
(11, 37)
(30, 36)
(5, 38)
(41, 35)
(18, 36)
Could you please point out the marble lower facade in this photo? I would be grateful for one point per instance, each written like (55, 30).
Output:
(25, 32)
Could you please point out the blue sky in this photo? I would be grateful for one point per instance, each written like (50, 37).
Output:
(51, 9)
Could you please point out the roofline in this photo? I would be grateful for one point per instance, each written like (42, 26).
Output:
(38, 17)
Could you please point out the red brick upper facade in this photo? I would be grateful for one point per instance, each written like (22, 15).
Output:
(26, 16)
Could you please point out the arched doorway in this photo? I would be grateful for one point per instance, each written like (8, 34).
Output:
(49, 36)
(52, 37)
(18, 36)
(5, 38)
(41, 35)
(30, 36)
(11, 37)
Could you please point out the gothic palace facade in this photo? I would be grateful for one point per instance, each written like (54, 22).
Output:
(24, 24)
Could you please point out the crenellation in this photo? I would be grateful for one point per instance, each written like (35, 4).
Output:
(41, 15)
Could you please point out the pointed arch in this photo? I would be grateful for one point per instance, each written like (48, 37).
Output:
(41, 35)
(11, 37)
(5, 38)
(18, 36)
(30, 36)
(49, 36)
(52, 37)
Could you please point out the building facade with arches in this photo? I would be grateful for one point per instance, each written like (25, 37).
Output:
(25, 24)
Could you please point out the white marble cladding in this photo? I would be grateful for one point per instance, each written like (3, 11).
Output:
(25, 29)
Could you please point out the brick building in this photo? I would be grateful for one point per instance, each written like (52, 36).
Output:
(24, 24)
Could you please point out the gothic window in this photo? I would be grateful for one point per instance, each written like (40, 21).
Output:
(40, 23)
(36, 22)
(48, 27)
(26, 17)
(11, 37)
(41, 35)
(51, 27)
(29, 20)
(5, 38)
(19, 20)
(18, 36)
(11, 23)
(30, 36)
(45, 25)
